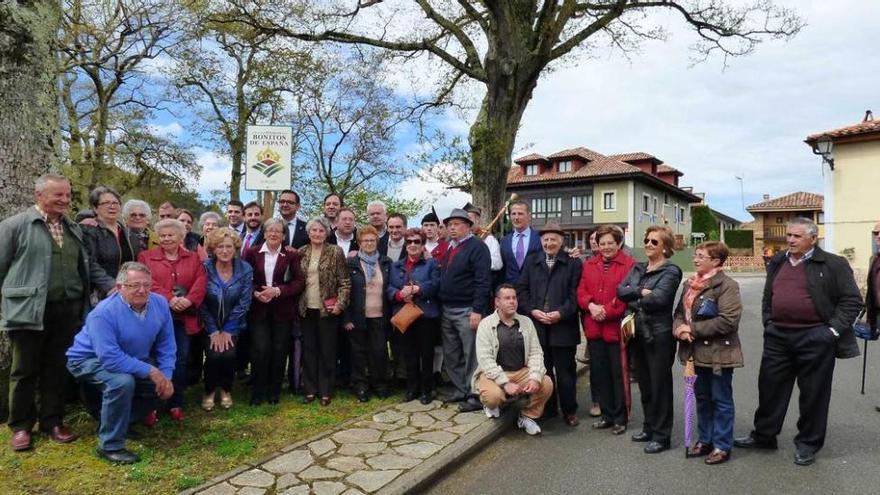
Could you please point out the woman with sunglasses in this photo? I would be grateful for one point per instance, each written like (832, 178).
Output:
(416, 279)
(649, 291)
(706, 322)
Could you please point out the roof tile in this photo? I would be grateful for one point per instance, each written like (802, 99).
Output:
(797, 200)
(864, 127)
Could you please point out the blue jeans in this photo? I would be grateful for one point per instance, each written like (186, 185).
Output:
(124, 399)
(715, 411)
(179, 378)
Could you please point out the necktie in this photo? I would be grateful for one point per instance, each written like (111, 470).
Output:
(520, 250)
(247, 241)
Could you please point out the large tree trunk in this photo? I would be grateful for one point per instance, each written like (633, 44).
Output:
(28, 115)
(238, 151)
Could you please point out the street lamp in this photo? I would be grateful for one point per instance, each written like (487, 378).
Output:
(823, 147)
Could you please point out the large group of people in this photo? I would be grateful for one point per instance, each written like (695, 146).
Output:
(136, 311)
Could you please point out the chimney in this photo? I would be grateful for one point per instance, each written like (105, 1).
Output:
(766, 197)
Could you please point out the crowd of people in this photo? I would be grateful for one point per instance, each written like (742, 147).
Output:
(136, 311)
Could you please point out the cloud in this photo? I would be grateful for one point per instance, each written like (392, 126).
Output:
(444, 199)
(169, 130)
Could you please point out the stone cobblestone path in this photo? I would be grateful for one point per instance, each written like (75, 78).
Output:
(357, 458)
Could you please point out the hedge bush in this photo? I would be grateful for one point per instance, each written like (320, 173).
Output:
(743, 239)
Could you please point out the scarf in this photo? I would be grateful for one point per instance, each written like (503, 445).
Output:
(696, 284)
(370, 261)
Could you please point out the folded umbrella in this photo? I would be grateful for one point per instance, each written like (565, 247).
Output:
(690, 404)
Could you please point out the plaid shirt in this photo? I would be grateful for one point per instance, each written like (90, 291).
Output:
(55, 228)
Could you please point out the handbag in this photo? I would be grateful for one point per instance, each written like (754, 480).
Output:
(708, 309)
(409, 313)
(863, 330)
(627, 327)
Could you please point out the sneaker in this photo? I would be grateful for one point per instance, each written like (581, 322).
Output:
(176, 414)
(528, 424)
(492, 412)
(225, 399)
(208, 402)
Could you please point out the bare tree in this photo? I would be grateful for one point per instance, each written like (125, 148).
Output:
(507, 45)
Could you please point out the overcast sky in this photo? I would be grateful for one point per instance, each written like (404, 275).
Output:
(711, 123)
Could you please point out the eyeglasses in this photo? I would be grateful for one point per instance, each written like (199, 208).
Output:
(286, 202)
(653, 242)
(875, 233)
(417, 242)
(703, 257)
(111, 202)
(142, 285)
(138, 215)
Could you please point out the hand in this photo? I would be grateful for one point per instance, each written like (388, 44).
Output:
(680, 330)
(553, 317)
(531, 387)
(408, 299)
(574, 252)
(221, 341)
(348, 327)
(164, 387)
(336, 309)
(540, 316)
(597, 312)
(475, 320)
(406, 291)
(512, 389)
(686, 336)
(352, 254)
(91, 222)
(645, 292)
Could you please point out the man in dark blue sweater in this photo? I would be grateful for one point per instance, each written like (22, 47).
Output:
(465, 283)
(126, 350)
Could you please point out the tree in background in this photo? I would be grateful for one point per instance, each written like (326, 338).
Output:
(505, 46)
(29, 127)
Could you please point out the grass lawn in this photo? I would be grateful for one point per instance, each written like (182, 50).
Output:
(174, 456)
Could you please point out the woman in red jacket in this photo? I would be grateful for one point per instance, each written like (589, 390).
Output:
(597, 298)
(178, 276)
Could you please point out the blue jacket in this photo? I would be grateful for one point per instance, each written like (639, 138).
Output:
(425, 274)
(226, 304)
(124, 343)
(511, 270)
(466, 280)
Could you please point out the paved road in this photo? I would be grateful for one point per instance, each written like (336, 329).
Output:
(582, 460)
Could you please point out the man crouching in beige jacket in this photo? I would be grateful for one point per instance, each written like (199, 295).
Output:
(510, 362)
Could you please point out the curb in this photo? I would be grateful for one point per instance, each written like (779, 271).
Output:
(453, 455)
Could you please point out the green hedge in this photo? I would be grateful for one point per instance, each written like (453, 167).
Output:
(702, 220)
(739, 239)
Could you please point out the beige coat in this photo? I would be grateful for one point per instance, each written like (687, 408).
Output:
(716, 343)
(333, 278)
(487, 351)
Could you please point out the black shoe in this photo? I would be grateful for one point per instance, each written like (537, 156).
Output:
(602, 424)
(470, 405)
(454, 398)
(120, 456)
(363, 396)
(274, 399)
(383, 393)
(426, 399)
(133, 434)
(642, 436)
(308, 399)
(256, 400)
(410, 396)
(804, 458)
(656, 447)
(550, 412)
(750, 442)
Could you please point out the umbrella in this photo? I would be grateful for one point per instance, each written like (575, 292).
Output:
(690, 404)
(864, 331)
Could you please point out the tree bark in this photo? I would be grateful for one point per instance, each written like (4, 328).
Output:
(28, 115)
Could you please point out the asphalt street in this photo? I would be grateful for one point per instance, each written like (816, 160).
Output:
(567, 460)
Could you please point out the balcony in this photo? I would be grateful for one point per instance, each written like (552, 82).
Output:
(774, 232)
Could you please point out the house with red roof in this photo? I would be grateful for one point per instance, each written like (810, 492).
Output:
(582, 189)
(772, 214)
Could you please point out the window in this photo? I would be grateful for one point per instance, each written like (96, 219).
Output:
(654, 210)
(609, 201)
(547, 207)
(681, 212)
(665, 200)
(582, 206)
(646, 201)
(675, 213)
(531, 169)
(565, 166)
(820, 217)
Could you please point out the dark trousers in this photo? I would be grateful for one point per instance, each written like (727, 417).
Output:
(270, 342)
(294, 359)
(715, 410)
(196, 364)
(564, 377)
(243, 353)
(805, 355)
(607, 376)
(654, 362)
(398, 355)
(343, 358)
(418, 346)
(219, 366)
(39, 367)
(179, 378)
(319, 353)
(369, 354)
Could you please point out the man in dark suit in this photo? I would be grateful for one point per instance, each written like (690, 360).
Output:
(252, 234)
(377, 216)
(520, 243)
(810, 303)
(295, 234)
(393, 245)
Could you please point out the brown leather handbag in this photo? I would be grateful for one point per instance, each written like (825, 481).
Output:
(409, 313)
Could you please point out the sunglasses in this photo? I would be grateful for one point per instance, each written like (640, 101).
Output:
(653, 242)
(875, 233)
(417, 242)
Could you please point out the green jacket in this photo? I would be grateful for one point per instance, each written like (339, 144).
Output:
(25, 259)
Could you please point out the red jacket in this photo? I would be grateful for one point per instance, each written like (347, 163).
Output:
(285, 306)
(600, 287)
(440, 250)
(187, 272)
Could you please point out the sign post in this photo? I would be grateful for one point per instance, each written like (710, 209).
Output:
(268, 160)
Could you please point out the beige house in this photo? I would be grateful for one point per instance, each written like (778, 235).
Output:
(852, 176)
(772, 214)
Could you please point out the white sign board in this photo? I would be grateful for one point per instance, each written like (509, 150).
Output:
(268, 161)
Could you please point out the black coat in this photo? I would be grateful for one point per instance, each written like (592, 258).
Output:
(355, 312)
(871, 306)
(653, 311)
(833, 289)
(547, 290)
(300, 236)
(108, 252)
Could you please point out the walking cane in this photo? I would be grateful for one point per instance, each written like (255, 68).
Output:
(863, 331)
(864, 366)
